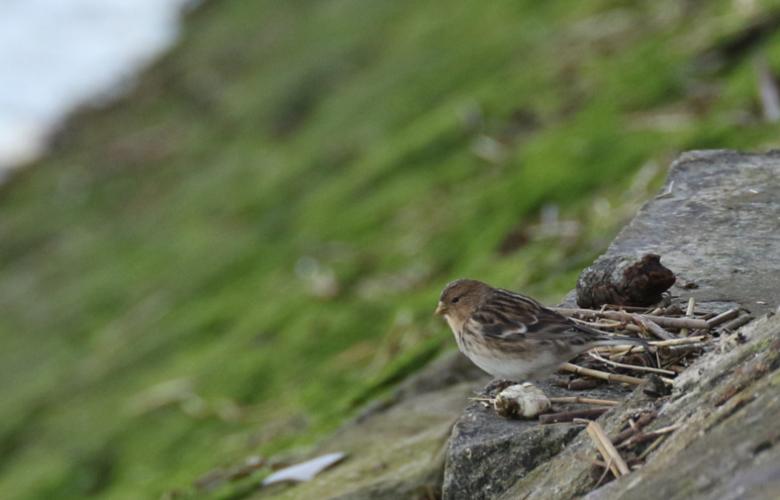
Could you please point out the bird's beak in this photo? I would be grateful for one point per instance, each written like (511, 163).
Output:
(440, 309)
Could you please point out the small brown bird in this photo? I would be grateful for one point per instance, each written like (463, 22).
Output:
(514, 337)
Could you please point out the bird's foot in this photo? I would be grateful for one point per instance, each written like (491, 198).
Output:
(496, 386)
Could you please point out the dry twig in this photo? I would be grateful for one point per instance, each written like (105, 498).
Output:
(618, 349)
(607, 449)
(609, 324)
(737, 322)
(570, 416)
(666, 321)
(641, 437)
(616, 307)
(606, 467)
(610, 377)
(640, 423)
(587, 401)
(655, 444)
(685, 349)
(675, 342)
(723, 317)
(631, 367)
(579, 384)
(688, 314)
(653, 327)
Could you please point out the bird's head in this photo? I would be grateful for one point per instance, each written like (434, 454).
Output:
(460, 299)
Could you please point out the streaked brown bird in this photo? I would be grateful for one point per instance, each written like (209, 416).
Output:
(514, 337)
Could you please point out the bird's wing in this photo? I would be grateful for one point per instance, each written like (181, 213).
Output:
(511, 316)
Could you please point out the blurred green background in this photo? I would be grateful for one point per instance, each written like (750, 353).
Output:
(241, 252)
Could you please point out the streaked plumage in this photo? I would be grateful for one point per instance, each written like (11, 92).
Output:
(511, 336)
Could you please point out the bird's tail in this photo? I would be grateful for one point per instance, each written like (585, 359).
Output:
(603, 338)
(621, 340)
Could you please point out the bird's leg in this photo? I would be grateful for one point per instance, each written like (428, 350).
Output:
(496, 386)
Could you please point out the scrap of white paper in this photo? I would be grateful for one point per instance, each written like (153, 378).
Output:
(304, 471)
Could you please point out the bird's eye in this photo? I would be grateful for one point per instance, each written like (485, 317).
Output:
(455, 300)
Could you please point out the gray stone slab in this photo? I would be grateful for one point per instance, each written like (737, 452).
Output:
(716, 224)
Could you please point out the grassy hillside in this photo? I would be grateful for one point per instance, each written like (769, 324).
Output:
(239, 253)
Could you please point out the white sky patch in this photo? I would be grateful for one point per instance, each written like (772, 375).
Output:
(56, 55)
